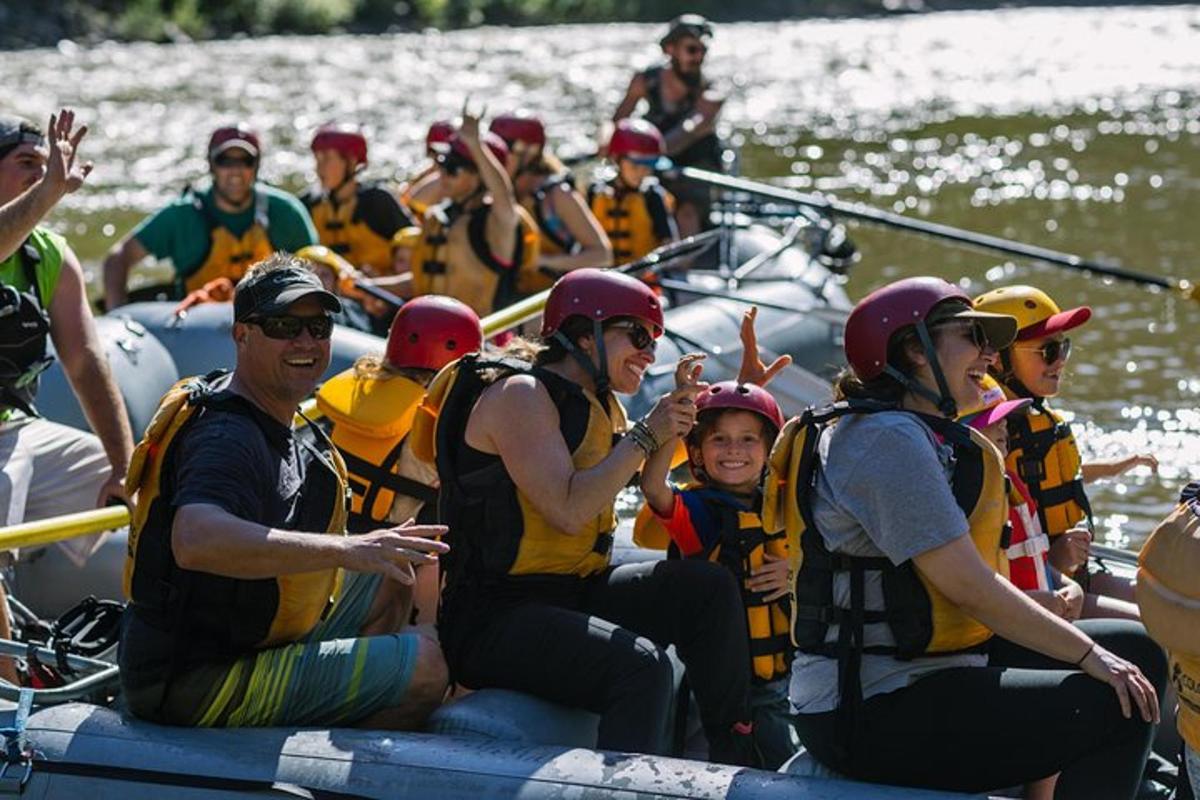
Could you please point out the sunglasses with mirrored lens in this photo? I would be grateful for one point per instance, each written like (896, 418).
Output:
(1051, 350)
(224, 160)
(639, 337)
(289, 326)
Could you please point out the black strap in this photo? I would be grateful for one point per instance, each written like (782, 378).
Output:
(543, 222)
(380, 476)
(30, 260)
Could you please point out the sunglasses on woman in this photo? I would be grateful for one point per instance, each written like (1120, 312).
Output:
(224, 160)
(973, 332)
(289, 326)
(1052, 349)
(639, 337)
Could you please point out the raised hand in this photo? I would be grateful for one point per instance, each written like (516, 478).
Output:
(753, 370)
(469, 129)
(64, 172)
(688, 369)
(674, 414)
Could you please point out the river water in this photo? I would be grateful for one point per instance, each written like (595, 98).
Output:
(1076, 129)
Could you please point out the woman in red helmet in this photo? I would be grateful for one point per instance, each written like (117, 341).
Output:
(636, 212)
(918, 663)
(570, 236)
(354, 218)
(531, 455)
(370, 409)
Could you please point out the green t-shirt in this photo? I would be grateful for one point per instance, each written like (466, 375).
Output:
(51, 247)
(179, 231)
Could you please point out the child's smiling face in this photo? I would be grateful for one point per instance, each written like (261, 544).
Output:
(733, 452)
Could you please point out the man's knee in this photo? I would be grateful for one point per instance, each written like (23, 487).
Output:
(430, 676)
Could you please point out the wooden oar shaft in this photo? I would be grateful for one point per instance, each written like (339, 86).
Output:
(867, 213)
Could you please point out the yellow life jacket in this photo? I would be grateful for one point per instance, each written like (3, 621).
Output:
(227, 615)
(342, 228)
(740, 548)
(371, 418)
(453, 258)
(930, 624)
(496, 533)
(1168, 594)
(636, 221)
(231, 256)
(1043, 453)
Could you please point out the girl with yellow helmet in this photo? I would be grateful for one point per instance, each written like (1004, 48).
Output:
(1043, 451)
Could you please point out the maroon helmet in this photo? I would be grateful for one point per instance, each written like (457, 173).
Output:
(600, 294)
(439, 132)
(743, 396)
(342, 138)
(519, 126)
(431, 331)
(230, 136)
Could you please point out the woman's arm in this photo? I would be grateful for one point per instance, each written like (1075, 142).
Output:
(594, 247)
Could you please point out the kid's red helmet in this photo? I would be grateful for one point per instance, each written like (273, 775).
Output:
(345, 139)
(439, 133)
(600, 294)
(431, 331)
(743, 396)
(519, 126)
(230, 136)
(636, 137)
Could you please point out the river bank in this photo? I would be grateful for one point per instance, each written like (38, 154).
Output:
(25, 25)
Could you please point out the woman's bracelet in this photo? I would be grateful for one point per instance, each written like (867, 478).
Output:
(1083, 657)
(643, 437)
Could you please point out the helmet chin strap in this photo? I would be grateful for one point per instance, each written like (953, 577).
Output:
(599, 372)
(943, 399)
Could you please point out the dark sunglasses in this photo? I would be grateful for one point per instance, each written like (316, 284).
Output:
(975, 333)
(235, 161)
(639, 337)
(1052, 349)
(695, 49)
(289, 326)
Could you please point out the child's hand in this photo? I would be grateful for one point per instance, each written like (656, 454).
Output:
(753, 370)
(771, 578)
(1069, 550)
(688, 369)
(1072, 597)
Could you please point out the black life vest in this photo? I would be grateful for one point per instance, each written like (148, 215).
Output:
(24, 336)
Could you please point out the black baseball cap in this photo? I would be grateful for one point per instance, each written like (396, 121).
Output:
(269, 293)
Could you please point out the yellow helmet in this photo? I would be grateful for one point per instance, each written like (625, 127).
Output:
(1037, 314)
(994, 406)
(320, 254)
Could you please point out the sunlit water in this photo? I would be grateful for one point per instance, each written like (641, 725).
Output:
(1075, 129)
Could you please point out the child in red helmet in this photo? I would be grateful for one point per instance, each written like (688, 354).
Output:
(716, 517)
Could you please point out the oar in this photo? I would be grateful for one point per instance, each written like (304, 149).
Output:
(68, 526)
(867, 213)
(832, 315)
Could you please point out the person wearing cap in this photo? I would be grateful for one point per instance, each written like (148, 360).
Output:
(478, 245)
(634, 209)
(683, 104)
(48, 469)
(918, 662)
(1042, 447)
(240, 576)
(354, 218)
(570, 236)
(217, 232)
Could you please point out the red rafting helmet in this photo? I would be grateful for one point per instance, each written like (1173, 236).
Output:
(519, 126)
(744, 396)
(230, 136)
(342, 138)
(457, 148)
(439, 133)
(600, 294)
(429, 332)
(636, 137)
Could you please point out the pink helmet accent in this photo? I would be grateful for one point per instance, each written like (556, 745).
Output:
(636, 137)
(885, 311)
(519, 126)
(600, 294)
(439, 133)
(230, 136)
(342, 138)
(744, 396)
(431, 331)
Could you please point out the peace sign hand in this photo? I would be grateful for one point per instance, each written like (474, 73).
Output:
(753, 370)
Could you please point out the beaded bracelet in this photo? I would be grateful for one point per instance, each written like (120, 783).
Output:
(643, 437)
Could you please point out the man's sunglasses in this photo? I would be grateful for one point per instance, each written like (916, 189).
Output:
(235, 161)
(1052, 349)
(639, 337)
(695, 49)
(289, 326)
